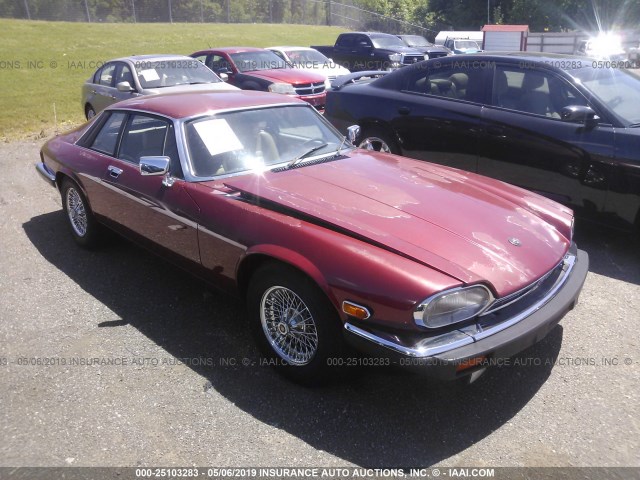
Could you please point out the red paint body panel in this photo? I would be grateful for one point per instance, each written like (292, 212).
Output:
(427, 212)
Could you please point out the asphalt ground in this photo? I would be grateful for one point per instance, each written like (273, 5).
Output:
(116, 358)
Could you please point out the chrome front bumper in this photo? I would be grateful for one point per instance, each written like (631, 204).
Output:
(46, 174)
(502, 332)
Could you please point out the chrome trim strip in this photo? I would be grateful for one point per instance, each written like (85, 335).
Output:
(523, 292)
(220, 237)
(422, 351)
(46, 174)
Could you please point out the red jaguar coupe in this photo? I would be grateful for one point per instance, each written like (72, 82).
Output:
(331, 247)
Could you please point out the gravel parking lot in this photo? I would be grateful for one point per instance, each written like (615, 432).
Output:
(115, 358)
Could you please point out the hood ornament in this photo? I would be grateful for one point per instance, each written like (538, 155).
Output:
(514, 241)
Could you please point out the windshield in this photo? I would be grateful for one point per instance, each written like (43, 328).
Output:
(387, 42)
(308, 58)
(172, 72)
(260, 60)
(466, 44)
(254, 140)
(616, 88)
(416, 41)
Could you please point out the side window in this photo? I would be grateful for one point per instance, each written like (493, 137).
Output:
(218, 64)
(107, 74)
(363, 41)
(533, 91)
(345, 41)
(124, 75)
(106, 139)
(456, 82)
(143, 136)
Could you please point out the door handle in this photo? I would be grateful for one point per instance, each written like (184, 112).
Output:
(114, 172)
(404, 110)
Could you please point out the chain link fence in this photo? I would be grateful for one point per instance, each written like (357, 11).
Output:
(345, 13)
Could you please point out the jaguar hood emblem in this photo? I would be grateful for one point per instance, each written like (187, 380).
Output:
(514, 241)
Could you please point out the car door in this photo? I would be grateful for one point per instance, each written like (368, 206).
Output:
(154, 210)
(526, 143)
(438, 118)
(104, 92)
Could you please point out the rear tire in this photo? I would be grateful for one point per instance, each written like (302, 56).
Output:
(295, 326)
(82, 223)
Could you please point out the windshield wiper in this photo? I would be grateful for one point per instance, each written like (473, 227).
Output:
(634, 125)
(305, 154)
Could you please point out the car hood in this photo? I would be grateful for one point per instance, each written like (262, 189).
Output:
(287, 75)
(190, 88)
(441, 217)
(325, 69)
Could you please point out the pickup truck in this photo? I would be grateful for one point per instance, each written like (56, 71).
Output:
(359, 51)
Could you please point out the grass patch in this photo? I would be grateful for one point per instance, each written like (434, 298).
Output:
(44, 64)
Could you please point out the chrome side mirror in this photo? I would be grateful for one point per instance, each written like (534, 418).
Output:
(124, 87)
(353, 132)
(154, 165)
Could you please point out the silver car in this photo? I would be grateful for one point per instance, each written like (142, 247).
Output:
(128, 77)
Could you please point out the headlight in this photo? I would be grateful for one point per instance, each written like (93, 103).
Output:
(426, 56)
(285, 88)
(452, 306)
(327, 84)
(395, 57)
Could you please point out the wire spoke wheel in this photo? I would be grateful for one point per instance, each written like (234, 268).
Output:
(288, 325)
(77, 212)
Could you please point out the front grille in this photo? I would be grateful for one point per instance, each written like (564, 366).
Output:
(437, 54)
(309, 88)
(514, 297)
(411, 59)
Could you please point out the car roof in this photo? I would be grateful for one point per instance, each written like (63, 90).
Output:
(190, 104)
(232, 49)
(539, 57)
(150, 57)
(375, 34)
(289, 47)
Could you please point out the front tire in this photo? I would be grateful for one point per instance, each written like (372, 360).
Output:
(296, 327)
(377, 140)
(82, 223)
(89, 112)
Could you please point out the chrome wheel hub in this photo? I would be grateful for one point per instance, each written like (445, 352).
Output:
(76, 211)
(376, 144)
(288, 325)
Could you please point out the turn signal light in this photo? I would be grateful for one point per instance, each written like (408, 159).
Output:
(355, 310)
(470, 363)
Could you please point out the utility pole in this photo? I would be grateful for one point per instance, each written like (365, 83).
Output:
(86, 8)
(26, 7)
(170, 14)
(488, 12)
(133, 9)
(328, 13)
(228, 12)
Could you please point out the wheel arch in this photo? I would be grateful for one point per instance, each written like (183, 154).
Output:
(377, 124)
(62, 175)
(258, 256)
